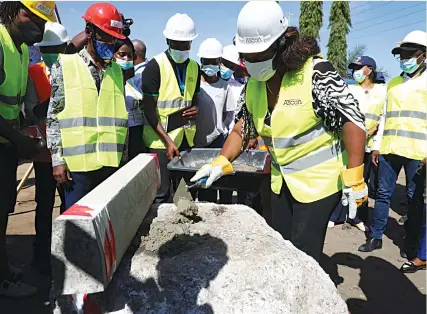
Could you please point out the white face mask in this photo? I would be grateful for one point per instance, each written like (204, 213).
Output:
(179, 56)
(261, 71)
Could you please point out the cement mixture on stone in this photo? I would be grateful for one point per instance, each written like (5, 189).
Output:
(224, 260)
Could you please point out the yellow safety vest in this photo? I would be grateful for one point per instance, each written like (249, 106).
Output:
(406, 118)
(93, 127)
(372, 108)
(14, 86)
(308, 157)
(171, 100)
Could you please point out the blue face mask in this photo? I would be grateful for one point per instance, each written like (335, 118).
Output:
(226, 73)
(50, 58)
(210, 70)
(125, 65)
(358, 76)
(103, 50)
(409, 65)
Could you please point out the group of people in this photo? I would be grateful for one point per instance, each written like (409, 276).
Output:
(94, 102)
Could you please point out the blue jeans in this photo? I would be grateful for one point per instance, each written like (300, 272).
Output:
(389, 168)
(421, 254)
(84, 182)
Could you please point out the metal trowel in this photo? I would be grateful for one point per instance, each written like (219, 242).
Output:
(182, 193)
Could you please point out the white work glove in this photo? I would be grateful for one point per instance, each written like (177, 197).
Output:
(355, 191)
(213, 171)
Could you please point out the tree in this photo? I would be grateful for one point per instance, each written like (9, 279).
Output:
(311, 18)
(339, 24)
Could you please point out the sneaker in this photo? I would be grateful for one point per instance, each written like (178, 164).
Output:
(16, 289)
(361, 226)
(331, 224)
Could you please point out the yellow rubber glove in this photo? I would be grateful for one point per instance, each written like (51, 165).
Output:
(213, 171)
(355, 191)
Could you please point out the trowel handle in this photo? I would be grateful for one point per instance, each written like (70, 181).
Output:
(198, 183)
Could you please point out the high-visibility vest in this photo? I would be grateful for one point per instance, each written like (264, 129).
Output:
(308, 157)
(14, 86)
(371, 108)
(93, 127)
(41, 81)
(171, 100)
(406, 118)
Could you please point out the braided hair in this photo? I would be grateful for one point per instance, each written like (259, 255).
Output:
(9, 10)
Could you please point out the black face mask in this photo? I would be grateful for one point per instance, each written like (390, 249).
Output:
(31, 33)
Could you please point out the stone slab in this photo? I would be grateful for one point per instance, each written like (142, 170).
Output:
(91, 237)
(226, 260)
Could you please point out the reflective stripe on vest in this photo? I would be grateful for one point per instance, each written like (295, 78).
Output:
(93, 126)
(170, 100)
(14, 86)
(303, 153)
(406, 118)
(371, 105)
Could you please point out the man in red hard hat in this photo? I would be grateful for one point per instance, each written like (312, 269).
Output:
(87, 117)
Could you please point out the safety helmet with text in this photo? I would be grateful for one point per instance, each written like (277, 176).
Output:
(106, 17)
(180, 27)
(43, 9)
(210, 48)
(54, 35)
(259, 25)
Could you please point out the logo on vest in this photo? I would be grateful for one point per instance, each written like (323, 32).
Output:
(292, 102)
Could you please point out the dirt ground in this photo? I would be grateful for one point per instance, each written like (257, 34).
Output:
(369, 282)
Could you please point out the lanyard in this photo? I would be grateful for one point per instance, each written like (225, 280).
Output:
(181, 81)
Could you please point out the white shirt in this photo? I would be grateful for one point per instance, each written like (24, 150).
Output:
(133, 100)
(214, 101)
(236, 88)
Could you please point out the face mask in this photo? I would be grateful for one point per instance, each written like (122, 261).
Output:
(358, 76)
(103, 50)
(241, 80)
(50, 58)
(226, 73)
(210, 70)
(30, 33)
(261, 71)
(179, 56)
(409, 65)
(125, 65)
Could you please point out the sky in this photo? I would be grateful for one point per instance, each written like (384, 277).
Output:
(377, 24)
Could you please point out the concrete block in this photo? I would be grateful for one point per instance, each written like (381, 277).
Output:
(90, 238)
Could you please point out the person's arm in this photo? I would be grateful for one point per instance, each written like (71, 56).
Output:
(31, 101)
(77, 43)
(56, 105)
(339, 109)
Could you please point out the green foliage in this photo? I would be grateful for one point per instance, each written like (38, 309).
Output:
(339, 25)
(311, 18)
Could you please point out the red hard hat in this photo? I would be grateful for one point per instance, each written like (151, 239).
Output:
(106, 17)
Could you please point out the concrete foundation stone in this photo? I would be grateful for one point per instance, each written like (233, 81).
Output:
(91, 237)
(224, 260)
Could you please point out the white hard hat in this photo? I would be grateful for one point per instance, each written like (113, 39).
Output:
(180, 27)
(54, 35)
(259, 25)
(231, 54)
(210, 48)
(414, 37)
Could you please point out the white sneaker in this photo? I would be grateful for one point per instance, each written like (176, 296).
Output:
(331, 224)
(16, 289)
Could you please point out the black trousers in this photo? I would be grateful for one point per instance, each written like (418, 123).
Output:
(304, 224)
(8, 167)
(168, 184)
(135, 142)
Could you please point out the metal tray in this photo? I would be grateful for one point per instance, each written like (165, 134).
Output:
(250, 169)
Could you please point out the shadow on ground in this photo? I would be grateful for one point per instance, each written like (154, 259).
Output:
(387, 290)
